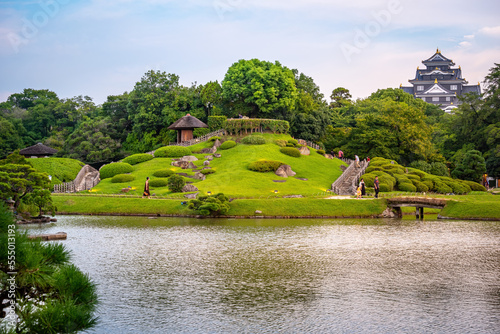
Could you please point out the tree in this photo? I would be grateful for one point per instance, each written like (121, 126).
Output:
(210, 205)
(258, 88)
(471, 168)
(42, 200)
(176, 183)
(211, 98)
(340, 97)
(10, 139)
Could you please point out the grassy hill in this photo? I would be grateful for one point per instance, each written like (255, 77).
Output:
(232, 176)
(61, 169)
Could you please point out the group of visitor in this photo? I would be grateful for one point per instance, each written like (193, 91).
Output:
(361, 190)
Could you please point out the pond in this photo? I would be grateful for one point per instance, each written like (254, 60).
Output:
(175, 275)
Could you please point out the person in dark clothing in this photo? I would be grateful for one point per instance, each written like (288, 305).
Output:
(146, 189)
(362, 186)
(376, 185)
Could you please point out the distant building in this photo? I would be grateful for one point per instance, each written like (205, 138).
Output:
(185, 126)
(440, 83)
(37, 151)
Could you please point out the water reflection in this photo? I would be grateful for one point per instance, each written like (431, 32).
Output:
(289, 276)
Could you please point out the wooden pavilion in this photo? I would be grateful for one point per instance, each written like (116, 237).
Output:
(185, 126)
(37, 151)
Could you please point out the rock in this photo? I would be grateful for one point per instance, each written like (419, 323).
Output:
(388, 213)
(189, 158)
(257, 212)
(302, 142)
(189, 188)
(206, 168)
(301, 178)
(206, 150)
(199, 176)
(304, 150)
(285, 171)
(328, 156)
(293, 196)
(191, 196)
(206, 163)
(217, 143)
(125, 190)
(213, 150)
(217, 155)
(209, 157)
(184, 164)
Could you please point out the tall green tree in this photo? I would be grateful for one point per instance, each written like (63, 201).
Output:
(472, 167)
(258, 88)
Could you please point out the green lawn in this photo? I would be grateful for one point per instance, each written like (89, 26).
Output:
(61, 169)
(233, 178)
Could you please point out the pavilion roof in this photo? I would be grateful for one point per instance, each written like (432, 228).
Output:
(37, 149)
(187, 122)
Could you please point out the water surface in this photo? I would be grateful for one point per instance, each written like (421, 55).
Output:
(175, 275)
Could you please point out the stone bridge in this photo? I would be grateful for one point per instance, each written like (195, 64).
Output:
(419, 203)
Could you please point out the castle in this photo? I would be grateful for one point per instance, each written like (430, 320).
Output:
(440, 83)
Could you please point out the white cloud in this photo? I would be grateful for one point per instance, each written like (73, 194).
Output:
(469, 36)
(491, 31)
(465, 44)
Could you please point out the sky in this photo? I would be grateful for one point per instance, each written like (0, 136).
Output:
(99, 48)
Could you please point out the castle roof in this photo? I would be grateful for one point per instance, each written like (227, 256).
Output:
(438, 59)
(187, 122)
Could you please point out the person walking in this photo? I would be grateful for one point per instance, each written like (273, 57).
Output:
(146, 189)
(376, 185)
(363, 189)
(341, 154)
(356, 158)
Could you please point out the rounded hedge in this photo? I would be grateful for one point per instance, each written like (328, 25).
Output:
(413, 177)
(475, 186)
(122, 178)
(254, 140)
(384, 188)
(280, 142)
(294, 142)
(115, 168)
(421, 187)
(158, 183)
(227, 144)
(407, 186)
(214, 138)
(176, 183)
(263, 166)
(207, 171)
(291, 151)
(137, 158)
(172, 152)
(163, 173)
(322, 152)
(442, 187)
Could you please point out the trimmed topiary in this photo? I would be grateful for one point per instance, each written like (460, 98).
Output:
(158, 183)
(214, 138)
(172, 152)
(264, 166)
(322, 152)
(253, 140)
(413, 171)
(227, 145)
(163, 173)
(122, 178)
(176, 183)
(385, 188)
(421, 187)
(137, 158)
(291, 151)
(442, 187)
(280, 142)
(115, 168)
(294, 142)
(407, 186)
(475, 186)
(207, 171)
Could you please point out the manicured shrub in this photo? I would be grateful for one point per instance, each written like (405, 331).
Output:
(121, 178)
(280, 142)
(475, 186)
(407, 186)
(264, 166)
(289, 145)
(456, 187)
(214, 138)
(207, 171)
(294, 142)
(291, 151)
(401, 179)
(254, 140)
(429, 184)
(115, 168)
(137, 158)
(216, 122)
(200, 132)
(384, 187)
(413, 171)
(172, 152)
(163, 173)
(394, 169)
(322, 152)
(176, 183)
(227, 145)
(413, 177)
(157, 183)
(210, 205)
(421, 187)
(442, 188)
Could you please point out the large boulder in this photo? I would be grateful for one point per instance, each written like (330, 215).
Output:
(183, 164)
(191, 196)
(206, 163)
(285, 171)
(209, 157)
(217, 143)
(189, 188)
(199, 176)
(189, 158)
(217, 155)
(328, 156)
(304, 150)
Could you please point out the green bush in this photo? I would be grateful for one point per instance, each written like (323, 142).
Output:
(157, 183)
(456, 187)
(254, 140)
(210, 205)
(121, 178)
(172, 152)
(442, 188)
(163, 173)
(200, 132)
(115, 168)
(421, 187)
(216, 122)
(475, 186)
(214, 138)
(264, 166)
(413, 171)
(294, 142)
(429, 184)
(280, 142)
(413, 177)
(207, 171)
(289, 145)
(407, 186)
(227, 145)
(291, 151)
(137, 158)
(322, 152)
(385, 188)
(176, 183)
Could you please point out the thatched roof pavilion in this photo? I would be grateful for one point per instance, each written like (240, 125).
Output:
(185, 126)
(37, 151)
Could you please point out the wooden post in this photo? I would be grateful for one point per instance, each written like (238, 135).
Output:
(422, 212)
(416, 212)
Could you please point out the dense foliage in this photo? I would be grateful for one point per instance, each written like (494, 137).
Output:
(227, 145)
(172, 152)
(210, 205)
(264, 166)
(175, 183)
(137, 158)
(115, 168)
(291, 151)
(253, 140)
(163, 173)
(122, 178)
(157, 183)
